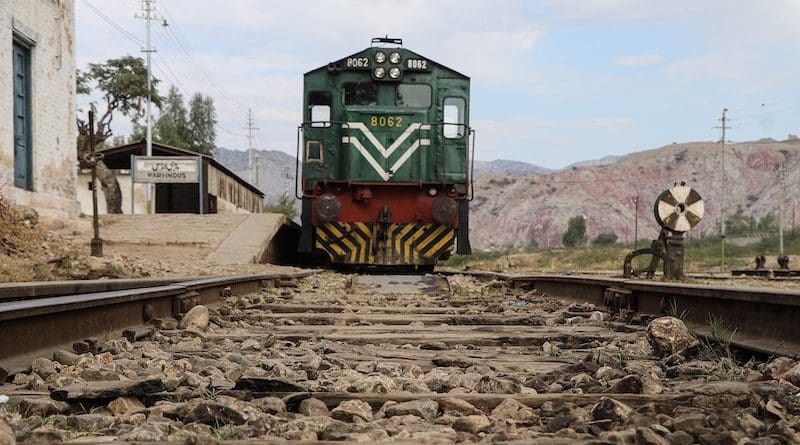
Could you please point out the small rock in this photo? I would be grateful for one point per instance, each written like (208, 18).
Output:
(605, 373)
(197, 317)
(720, 438)
(608, 408)
(270, 405)
(472, 424)
(646, 436)
(210, 413)
(669, 335)
(123, 405)
(42, 407)
(680, 438)
(165, 323)
(455, 406)
(630, 384)
(65, 357)
(352, 411)
(792, 375)
(44, 367)
(550, 349)
(689, 422)
(313, 407)
(497, 385)
(434, 346)
(750, 424)
(426, 409)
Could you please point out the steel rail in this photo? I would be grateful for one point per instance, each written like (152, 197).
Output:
(762, 320)
(46, 320)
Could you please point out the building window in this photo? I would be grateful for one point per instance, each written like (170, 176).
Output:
(23, 149)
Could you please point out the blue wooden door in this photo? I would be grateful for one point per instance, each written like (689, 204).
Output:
(23, 158)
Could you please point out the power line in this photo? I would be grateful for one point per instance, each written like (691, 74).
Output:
(200, 69)
(113, 24)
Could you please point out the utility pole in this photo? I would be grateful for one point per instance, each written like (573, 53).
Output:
(780, 212)
(723, 181)
(149, 14)
(636, 223)
(257, 164)
(250, 126)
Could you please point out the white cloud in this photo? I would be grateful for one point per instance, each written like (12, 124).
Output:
(711, 66)
(639, 60)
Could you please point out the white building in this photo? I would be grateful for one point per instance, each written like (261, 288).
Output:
(37, 114)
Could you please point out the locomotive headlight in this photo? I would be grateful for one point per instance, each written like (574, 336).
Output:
(432, 191)
(394, 72)
(380, 72)
(380, 57)
(394, 57)
(328, 208)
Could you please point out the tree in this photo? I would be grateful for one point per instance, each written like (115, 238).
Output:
(767, 223)
(285, 205)
(172, 126)
(202, 124)
(576, 232)
(605, 239)
(122, 84)
(739, 223)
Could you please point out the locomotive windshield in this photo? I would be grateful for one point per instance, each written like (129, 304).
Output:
(361, 93)
(413, 95)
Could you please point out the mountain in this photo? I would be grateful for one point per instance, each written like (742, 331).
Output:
(518, 209)
(481, 168)
(606, 160)
(275, 172)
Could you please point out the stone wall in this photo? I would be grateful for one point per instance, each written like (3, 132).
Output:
(49, 25)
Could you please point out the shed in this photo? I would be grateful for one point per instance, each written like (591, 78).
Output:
(223, 190)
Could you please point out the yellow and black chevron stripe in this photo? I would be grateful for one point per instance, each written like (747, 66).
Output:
(403, 244)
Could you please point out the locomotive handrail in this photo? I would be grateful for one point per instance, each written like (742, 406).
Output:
(297, 163)
(471, 165)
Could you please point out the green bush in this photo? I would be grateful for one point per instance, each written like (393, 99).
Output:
(576, 232)
(605, 239)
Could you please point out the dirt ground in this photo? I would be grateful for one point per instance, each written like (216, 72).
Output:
(133, 246)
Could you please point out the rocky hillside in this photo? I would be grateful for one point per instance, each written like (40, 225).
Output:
(506, 166)
(275, 174)
(514, 209)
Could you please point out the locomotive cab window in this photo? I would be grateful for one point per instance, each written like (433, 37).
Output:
(360, 93)
(319, 109)
(454, 110)
(413, 95)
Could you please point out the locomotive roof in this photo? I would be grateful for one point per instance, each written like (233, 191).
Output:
(368, 52)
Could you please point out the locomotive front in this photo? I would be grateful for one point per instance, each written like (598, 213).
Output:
(385, 159)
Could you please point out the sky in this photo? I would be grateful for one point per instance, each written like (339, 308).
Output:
(553, 81)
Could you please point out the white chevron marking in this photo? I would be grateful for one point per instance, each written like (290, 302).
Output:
(386, 152)
(383, 174)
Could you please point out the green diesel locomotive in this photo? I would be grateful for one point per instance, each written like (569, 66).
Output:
(386, 165)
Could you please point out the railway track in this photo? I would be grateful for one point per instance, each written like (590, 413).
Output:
(331, 357)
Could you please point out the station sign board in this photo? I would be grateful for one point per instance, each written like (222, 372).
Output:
(166, 169)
